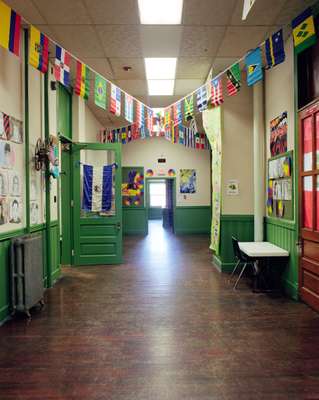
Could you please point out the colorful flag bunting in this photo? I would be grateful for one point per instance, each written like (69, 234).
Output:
(149, 121)
(100, 92)
(217, 92)
(202, 98)
(167, 117)
(82, 83)
(124, 135)
(188, 107)
(253, 63)
(275, 49)
(139, 114)
(115, 101)
(129, 108)
(177, 113)
(62, 66)
(233, 80)
(181, 134)
(303, 30)
(10, 25)
(39, 50)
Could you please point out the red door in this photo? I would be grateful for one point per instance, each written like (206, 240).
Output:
(309, 204)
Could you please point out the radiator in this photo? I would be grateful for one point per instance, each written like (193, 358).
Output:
(26, 273)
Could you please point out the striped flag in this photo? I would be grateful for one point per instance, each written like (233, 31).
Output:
(202, 98)
(39, 50)
(7, 126)
(177, 112)
(115, 103)
(167, 117)
(217, 92)
(62, 66)
(275, 49)
(188, 107)
(82, 83)
(124, 136)
(181, 134)
(149, 121)
(139, 114)
(129, 108)
(10, 25)
(197, 140)
(129, 133)
(233, 80)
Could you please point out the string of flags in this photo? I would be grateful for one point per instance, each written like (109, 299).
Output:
(174, 125)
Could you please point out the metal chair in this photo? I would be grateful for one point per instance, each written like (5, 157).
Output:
(241, 259)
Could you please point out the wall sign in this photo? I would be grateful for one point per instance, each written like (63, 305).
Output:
(232, 188)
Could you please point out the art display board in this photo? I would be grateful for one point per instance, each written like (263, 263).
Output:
(280, 199)
(133, 187)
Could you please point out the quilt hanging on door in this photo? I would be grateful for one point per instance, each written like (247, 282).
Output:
(97, 188)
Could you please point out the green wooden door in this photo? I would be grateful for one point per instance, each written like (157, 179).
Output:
(97, 235)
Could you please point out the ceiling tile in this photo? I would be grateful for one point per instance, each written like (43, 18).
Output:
(120, 42)
(262, 13)
(239, 40)
(221, 63)
(161, 101)
(185, 86)
(137, 65)
(27, 10)
(201, 41)
(208, 12)
(100, 65)
(63, 12)
(79, 39)
(113, 11)
(134, 87)
(160, 41)
(193, 67)
(291, 9)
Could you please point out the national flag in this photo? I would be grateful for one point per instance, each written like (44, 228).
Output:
(39, 50)
(188, 107)
(139, 114)
(149, 121)
(303, 30)
(62, 66)
(97, 188)
(167, 117)
(115, 100)
(7, 126)
(197, 141)
(100, 92)
(10, 26)
(82, 82)
(124, 135)
(233, 79)
(202, 98)
(202, 140)
(254, 69)
(177, 113)
(217, 92)
(129, 107)
(275, 49)
(181, 134)
(129, 133)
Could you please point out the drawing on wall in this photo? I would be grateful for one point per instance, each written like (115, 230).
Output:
(171, 172)
(3, 211)
(133, 189)
(3, 183)
(34, 213)
(5, 126)
(33, 189)
(16, 131)
(278, 135)
(7, 155)
(187, 181)
(15, 211)
(280, 168)
(149, 172)
(14, 184)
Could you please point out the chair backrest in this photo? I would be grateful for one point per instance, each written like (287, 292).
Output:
(237, 252)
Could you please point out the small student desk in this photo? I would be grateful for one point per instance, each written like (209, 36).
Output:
(259, 251)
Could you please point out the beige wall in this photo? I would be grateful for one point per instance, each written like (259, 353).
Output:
(237, 151)
(146, 152)
(92, 126)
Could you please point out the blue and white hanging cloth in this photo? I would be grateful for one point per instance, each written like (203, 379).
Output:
(97, 188)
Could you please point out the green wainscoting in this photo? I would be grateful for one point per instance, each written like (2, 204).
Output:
(135, 221)
(155, 213)
(284, 234)
(55, 269)
(240, 226)
(192, 220)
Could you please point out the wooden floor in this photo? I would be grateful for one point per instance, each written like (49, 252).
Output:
(164, 325)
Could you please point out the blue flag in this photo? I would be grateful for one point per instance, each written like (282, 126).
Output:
(274, 49)
(97, 188)
(254, 69)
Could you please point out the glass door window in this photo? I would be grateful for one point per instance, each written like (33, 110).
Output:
(158, 194)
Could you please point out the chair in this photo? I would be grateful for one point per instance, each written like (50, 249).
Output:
(241, 259)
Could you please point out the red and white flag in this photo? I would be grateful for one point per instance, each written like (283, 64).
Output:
(62, 66)
(217, 92)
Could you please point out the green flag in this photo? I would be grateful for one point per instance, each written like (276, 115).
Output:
(100, 92)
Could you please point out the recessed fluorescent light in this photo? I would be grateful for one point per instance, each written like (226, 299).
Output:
(160, 87)
(160, 68)
(160, 12)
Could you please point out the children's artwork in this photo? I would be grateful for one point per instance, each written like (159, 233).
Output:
(34, 190)
(15, 211)
(270, 207)
(187, 181)
(3, 182)
(280, 209)
(171, 172)
(34, 213)
(7, 155)
(14, 184)
(133, 188)
(5, 126)
(280, 167)
(16, 131)
(3, 211)
(149, 173)
(278, 135)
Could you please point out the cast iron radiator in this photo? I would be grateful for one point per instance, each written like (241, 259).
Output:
(26, 273)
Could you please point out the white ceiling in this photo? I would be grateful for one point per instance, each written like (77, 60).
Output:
(107, 35)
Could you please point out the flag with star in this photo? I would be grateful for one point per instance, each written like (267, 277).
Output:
(100, 92)
(303, 30)
(274, 49)
(233, 80)
(254, 69)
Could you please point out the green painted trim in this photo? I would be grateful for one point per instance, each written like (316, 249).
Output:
(12, 234)
(26, 127)
(192, 220)
(37, 228)
(4, 313)
(217, 263)
(280, 222)
(192, 207)
(237, 217)
(54, 223)
(135, 221)
(291, 289)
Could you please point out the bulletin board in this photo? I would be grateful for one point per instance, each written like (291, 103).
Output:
(280, 196)
(133, 187)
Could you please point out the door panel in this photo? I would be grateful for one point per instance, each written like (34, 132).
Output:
(97, 216)
(309, 205)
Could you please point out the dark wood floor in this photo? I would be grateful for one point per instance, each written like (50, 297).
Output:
(162, 326)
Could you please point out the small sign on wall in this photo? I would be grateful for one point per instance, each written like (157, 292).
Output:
(232, 188)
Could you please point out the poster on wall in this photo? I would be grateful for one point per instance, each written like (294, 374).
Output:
(278, 135)
(133, 187)
(7, 155)
(3, 211)
(15, 210)
(3, 182)
(187, 181)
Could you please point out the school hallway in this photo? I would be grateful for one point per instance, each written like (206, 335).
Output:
(162, 325)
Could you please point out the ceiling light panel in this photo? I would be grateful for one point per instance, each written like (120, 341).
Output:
(160, 12)
(160, 87)
(160, 68)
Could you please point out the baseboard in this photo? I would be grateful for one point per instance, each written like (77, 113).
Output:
(221, 266)
(291, 289)
(135, 232)
(4, 314)
(191, 232)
